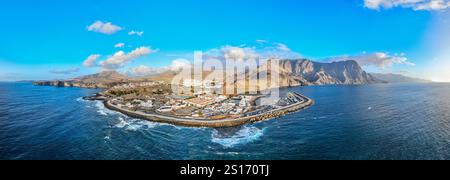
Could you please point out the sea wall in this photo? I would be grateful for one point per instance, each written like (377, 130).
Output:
(214, 123)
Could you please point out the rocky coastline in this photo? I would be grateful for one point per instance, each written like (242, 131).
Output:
(58, 83)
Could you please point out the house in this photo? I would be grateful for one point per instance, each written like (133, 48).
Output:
(200, 102)
(164, 109)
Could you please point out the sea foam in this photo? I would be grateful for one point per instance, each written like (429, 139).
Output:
(128, 123)
(247, 134)
(131, 124)
(80, 99)
(101, 109)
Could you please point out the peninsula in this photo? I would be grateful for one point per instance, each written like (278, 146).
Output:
(152, 98)
(154, 101)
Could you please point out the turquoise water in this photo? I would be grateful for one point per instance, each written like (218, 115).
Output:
(385, 121)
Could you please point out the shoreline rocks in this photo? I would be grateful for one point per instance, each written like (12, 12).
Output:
(75, 84)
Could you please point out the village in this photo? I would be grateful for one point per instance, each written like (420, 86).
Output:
(206, 104)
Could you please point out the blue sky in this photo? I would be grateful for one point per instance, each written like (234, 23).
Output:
(50, 39)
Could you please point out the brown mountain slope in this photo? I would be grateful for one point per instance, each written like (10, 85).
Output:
(301, 72)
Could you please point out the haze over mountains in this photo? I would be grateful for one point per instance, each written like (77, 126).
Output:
(297, 72)
(398, 78)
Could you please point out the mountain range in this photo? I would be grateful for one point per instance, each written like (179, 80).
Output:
(295, 72)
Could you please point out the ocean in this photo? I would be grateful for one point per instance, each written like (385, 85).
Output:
(381, 121)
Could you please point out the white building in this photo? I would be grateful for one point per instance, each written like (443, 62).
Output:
(147, 104)
(164, 109)
(245, 101)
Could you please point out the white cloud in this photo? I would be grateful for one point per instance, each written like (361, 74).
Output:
(261, 41)
(138, 33)
(380, 59)
(119, 45)
(267, 51)
(179, 64)
(65, 71)
(91, 61)
(278, 51)
(238, 53)
(143, 70)
(283, 47)
(429, 5)
(263, 50)
(105, 28)
(120, 58)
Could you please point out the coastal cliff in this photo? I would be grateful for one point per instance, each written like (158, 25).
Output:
(316, 73)
(106, 79)
(304, 72)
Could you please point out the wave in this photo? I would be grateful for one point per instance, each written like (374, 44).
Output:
(80, 99)
(245, 135)
(320, 117)
(124, 122)
(131, 124)
(85, 102)
(102, 109)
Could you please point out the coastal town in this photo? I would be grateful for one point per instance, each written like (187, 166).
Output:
(156, 101)
(188, 102)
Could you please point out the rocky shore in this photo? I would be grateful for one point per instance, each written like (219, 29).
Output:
(75, 84)
(103, 80)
